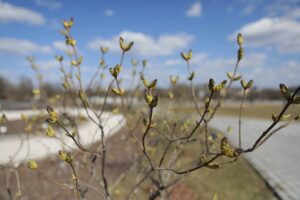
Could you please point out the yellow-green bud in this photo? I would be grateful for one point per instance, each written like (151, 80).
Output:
(285, 91)
(174, 80)
(70, 41)
(187, 56)
(68, 24)
(152, 84)
(36, 92)
(115, 71)
(274, 117)
(65, 156)
(23, 117)
(102, 62)
(171, 95)
(134, 62)
(53, 115)
(78, 62)
(217, 88)
(240, 39)
(50, 131)
(3, 119)
(66, 84)
(243, 83)
(118, 92)
(104, 50)
(250, 84)
(81, 95)
(230, 76)
(125, 47)
(31, 164)
(148, 97)
(296, 100)
(145, 122)
(191, 77)
(211, 85)
(240, 53)
(145, 63)
(228, 150)
(213, 165)
(59, 58)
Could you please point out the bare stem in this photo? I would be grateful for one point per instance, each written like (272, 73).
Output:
(104, 180)
(193, 90)
(240, 119)
(76, 181)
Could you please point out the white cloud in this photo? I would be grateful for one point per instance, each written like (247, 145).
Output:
(47, 64)
(293, 14)
(253, 60)
(287, 73)
(254, 66)
(146, 45)
(45, 49)
(204, 66)
(60, 45)
(50, 4)
(21, 47)
(109, 12)
(173, 62)
(207, 67)
(195, 10)
(203, 59)
(281, 33)
(55, 24)
(11, 13)
(155, 70)
(281, 7)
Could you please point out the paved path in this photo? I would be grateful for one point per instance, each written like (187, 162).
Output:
(278, 160)
(22, 147)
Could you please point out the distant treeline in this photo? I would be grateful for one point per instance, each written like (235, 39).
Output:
(22, 91)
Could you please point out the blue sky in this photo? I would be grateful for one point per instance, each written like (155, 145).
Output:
(161, 30)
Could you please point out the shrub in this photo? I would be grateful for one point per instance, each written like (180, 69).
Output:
(159, 138)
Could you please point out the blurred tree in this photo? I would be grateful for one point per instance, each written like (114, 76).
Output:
(23, 90)
(5, 88)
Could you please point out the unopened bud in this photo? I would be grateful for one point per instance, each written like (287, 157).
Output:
(240, 39)
(125, 47)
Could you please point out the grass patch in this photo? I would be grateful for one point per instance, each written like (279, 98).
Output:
(262, 111)
(250, 110)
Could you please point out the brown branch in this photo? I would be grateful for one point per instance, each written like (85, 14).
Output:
(103, 160)
(288, 103)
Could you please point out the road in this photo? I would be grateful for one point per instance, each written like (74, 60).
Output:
(277, 160)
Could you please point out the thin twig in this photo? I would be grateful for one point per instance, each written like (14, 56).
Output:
(240, 119)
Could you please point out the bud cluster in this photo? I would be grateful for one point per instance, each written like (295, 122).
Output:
(246, 85)
(216, 88)
(115, 71)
